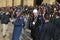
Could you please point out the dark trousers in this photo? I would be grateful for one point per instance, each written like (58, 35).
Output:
(56, 34)
(45, 35)
(35, 33)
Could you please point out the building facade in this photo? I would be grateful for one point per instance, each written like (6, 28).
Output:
(4, 3)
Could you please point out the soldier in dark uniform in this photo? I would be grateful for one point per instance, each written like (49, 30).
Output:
(57, 27)
(47, 29)
(35, 32)
(52, 20)
(41, 22)
(17, 26)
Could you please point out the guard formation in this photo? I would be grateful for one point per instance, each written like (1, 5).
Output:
(42, 20)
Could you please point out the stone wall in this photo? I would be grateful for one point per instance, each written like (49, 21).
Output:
(9, 2)
(4, 3)
(49, 1)
(28, 2)
(17, 2)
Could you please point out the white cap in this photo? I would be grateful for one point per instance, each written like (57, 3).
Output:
(35, 11)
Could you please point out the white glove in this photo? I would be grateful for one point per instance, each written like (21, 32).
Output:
(33, 23)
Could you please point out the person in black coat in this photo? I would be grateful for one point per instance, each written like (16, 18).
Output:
(47, 29)
(57, 27)
(35, 32)
(4, 21)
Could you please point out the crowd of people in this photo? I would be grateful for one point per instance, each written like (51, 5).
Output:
(43, 21)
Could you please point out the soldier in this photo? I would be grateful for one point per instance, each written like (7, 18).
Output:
(17, 25)
(47, 29)
(41, 22)
(57, 28)
(35, 33)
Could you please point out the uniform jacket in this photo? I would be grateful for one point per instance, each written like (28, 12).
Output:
(19, 21)
(35, 32)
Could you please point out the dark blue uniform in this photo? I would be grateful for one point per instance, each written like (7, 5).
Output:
(47, 31)
(57, 29)
(41, 22)
(17, 28)
(35, 32)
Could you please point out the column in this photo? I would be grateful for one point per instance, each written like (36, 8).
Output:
(17, 2)
(49, 1)
(0, 3)
(25, 2)
(29, 2)
(22, 2)
(9, 3)
(12, 2)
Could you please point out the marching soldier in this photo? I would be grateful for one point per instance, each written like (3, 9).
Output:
(57, 27)
(35, 32)
(17, 25)
(47, 29)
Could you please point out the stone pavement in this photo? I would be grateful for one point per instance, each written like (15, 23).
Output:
(24, 36)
